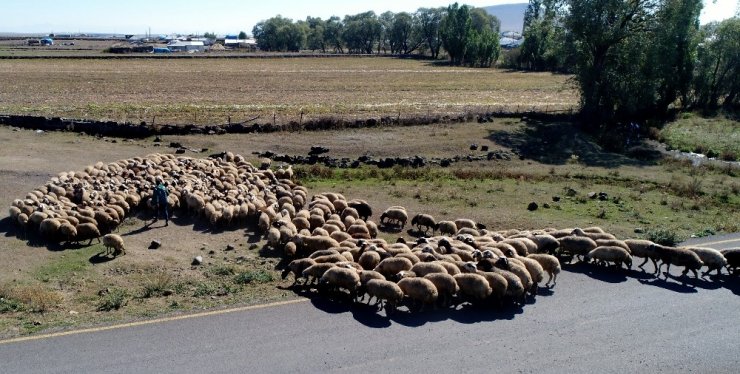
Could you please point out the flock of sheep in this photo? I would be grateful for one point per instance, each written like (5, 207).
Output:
(330, 241)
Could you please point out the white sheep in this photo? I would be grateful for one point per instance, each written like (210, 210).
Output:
(549, 263)
(421, 291)
(613, 254)
(386, 293)
(113, 244)
(712, 258)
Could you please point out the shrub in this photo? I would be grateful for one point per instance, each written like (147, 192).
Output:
(663, 237)
(35, 298)
(114, 299)
(158, 285)
(259, 276)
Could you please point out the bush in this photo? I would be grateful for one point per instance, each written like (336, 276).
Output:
(663, 237)
(159, 284)
(259, 276)
(113, 299)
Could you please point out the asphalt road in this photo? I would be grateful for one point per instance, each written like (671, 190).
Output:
(594, 320)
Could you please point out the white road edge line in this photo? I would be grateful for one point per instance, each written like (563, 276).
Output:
(150, 322)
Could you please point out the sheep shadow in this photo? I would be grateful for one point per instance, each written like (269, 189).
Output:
(468, 313)
(391, 229)
(671, 286)
(554, 143)
(606, 274)
(732, 283)
(8, 228)
(101, 258)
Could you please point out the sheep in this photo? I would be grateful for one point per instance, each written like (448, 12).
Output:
(49, 228)
(423, 268)
(369, 260)
(546, 243)
(613, 242)
(732, 256)
(87, 231)
(362, 207)
(644, 249)
(313, 273)
(393, 265)
(113, 244)
(712, 258)
(420, 290)
(446, 286)
(394, 216)
(549, 263)
(464, 222)
(519, 246)
(273, 237)
(385, 292)
(536, 271)
(312, 244)
(67, 231)
(447, 227)
(297, 267)
(473, 286)
(340, 277)
(679, 257)
(498, 285)
(576, 245)
(424, 220)
(617, 255)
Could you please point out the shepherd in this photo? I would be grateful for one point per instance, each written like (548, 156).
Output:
(159, 198)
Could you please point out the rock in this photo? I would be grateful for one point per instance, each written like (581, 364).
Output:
(176, 145)
(197, 260)
(180, 151)
(484, 148)
(74, 312)
(157, 139)
(211, 252)
(474, 147)
(532, 206)
(230, 247)
(253, 246)
(570, 192)
(639, 230)
(592, 195)
(155, 244)
(556, 198)
(603, 196)
(167, 292)
(546, 206)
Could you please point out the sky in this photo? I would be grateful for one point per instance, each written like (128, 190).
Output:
(219, 16)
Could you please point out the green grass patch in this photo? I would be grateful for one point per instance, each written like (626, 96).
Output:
(113, 300)
(67, 264)
(714, 137)
(254, 276)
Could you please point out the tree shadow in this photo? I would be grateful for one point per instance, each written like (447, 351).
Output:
(558, 143)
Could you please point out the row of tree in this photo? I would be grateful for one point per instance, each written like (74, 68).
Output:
(635, 59)
(470, 36)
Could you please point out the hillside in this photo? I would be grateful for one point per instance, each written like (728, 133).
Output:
(510, 15)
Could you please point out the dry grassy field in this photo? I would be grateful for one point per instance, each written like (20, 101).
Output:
(206, 91)
(47, 287)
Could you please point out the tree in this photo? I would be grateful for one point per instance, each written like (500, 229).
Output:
(279, 34)
(315, 35)
(429, 20)
(386, 25)
(599, 29)
(210, 35)
(717, 77)
(455, 32)
(544, 45)
(404, 34)
(333, 30)
(242, 35)
(484, 47)
(361, 32)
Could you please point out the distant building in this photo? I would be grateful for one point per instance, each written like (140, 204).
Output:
(185, 46)
(240, 43)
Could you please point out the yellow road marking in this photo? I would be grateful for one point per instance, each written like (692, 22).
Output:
(150, 322)
(719, 242)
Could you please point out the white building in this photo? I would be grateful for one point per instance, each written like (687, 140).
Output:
(185, 46)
